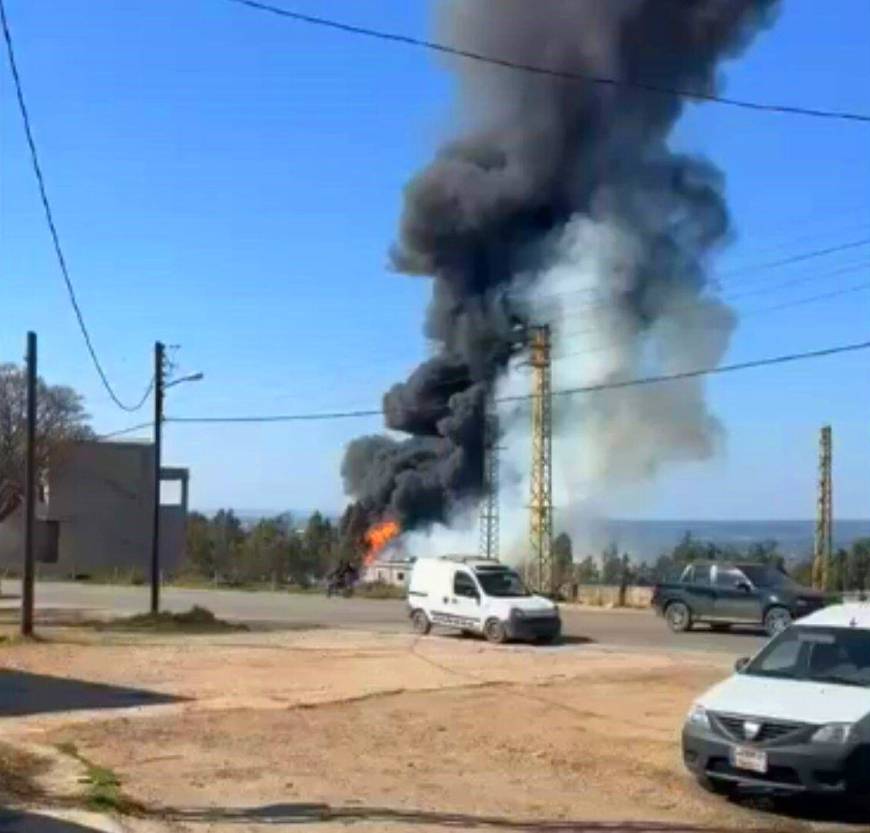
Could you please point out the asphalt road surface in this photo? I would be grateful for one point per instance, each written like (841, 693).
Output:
(614, 628)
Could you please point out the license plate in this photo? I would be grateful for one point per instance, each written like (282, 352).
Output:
(752, 760)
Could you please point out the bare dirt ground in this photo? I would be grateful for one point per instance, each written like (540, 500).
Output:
(321, 730)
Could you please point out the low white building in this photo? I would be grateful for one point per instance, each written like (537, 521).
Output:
(396, 572)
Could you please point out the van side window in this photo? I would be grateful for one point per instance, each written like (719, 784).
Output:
(463, 585)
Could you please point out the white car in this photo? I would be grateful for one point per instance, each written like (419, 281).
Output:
(796, 717)
(476, 595)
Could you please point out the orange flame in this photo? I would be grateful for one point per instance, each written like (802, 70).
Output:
(377, 538)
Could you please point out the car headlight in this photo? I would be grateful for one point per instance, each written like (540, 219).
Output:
(698, 717)
(840, 733)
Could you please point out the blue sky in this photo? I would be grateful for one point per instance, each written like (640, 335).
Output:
(230, 182)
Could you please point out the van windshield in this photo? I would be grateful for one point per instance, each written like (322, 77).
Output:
(840, 656)
(502, 584)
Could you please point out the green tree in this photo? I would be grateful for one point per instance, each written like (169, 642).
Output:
(765, 552)
(199, 549)
(228, 539)
(859, 565)
(265, 553)
(587, 571)
(611, 566)
(563, 559)
(626, 576)
(60, 417)
(319, 544)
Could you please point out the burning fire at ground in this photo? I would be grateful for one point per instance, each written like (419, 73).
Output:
(377, 538)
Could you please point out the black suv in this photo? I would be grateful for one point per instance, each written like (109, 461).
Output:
(734, 594)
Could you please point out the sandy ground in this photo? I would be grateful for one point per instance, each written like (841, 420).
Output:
(321, 730)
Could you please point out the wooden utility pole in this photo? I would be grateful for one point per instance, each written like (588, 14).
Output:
(159, 370)
(29, 492)
(824, 544)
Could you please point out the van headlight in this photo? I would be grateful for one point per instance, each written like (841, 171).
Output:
(698, 717)
(840, 733)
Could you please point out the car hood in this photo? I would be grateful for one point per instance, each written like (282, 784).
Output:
(528, 604)
(789, 700)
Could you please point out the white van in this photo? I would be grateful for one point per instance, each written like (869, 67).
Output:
(476, 595)
(795, 718)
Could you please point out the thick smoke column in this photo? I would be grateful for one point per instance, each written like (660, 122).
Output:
(557, 187)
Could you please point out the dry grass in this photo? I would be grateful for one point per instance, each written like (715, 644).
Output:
(19, 772)
(196, 620)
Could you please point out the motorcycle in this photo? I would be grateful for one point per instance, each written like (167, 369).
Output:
(340, 585)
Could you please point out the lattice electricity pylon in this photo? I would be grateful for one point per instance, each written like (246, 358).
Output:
(541, 522)
(489, 505)
(824, 545)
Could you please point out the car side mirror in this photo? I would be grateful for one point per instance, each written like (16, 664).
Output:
(741, 664)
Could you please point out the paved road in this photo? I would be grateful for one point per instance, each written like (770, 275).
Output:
(634, 629)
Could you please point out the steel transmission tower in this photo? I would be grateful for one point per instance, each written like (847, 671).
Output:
(489, 506)
(541, 524)
(825, 518)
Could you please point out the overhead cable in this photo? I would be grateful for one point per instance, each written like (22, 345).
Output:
(494, 60)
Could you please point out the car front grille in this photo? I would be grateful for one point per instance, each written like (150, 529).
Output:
(775, 775)
(772, 731)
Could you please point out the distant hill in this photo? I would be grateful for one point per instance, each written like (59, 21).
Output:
(648, 539)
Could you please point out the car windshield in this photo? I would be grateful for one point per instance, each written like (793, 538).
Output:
(822, 655)
(764, 576)
(502, 584)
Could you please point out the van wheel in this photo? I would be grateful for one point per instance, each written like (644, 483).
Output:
(495, 632)
(678, 617)
(776, 620)
(420, 622)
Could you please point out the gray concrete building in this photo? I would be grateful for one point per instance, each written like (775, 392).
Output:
(94, 515)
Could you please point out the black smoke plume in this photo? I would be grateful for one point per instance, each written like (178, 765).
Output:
(533, 154)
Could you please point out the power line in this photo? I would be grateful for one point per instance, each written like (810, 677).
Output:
(851, 290)
(282, 417)
(132, 429)
(812, 254)
(646, 380)
(467, 54)
(709, 371)
(581, 314)
(49, 216)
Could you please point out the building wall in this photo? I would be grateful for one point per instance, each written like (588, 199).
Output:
(101, 498)
(12, 541)
(386, 572)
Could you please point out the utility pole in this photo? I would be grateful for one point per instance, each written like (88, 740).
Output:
(489, 507)
(824, 544)
(29, 492)
(159, 369)
(541, 522)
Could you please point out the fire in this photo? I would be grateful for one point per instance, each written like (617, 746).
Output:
(378, 537)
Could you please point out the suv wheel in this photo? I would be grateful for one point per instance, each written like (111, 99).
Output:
(678, 617)
(776, 620)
